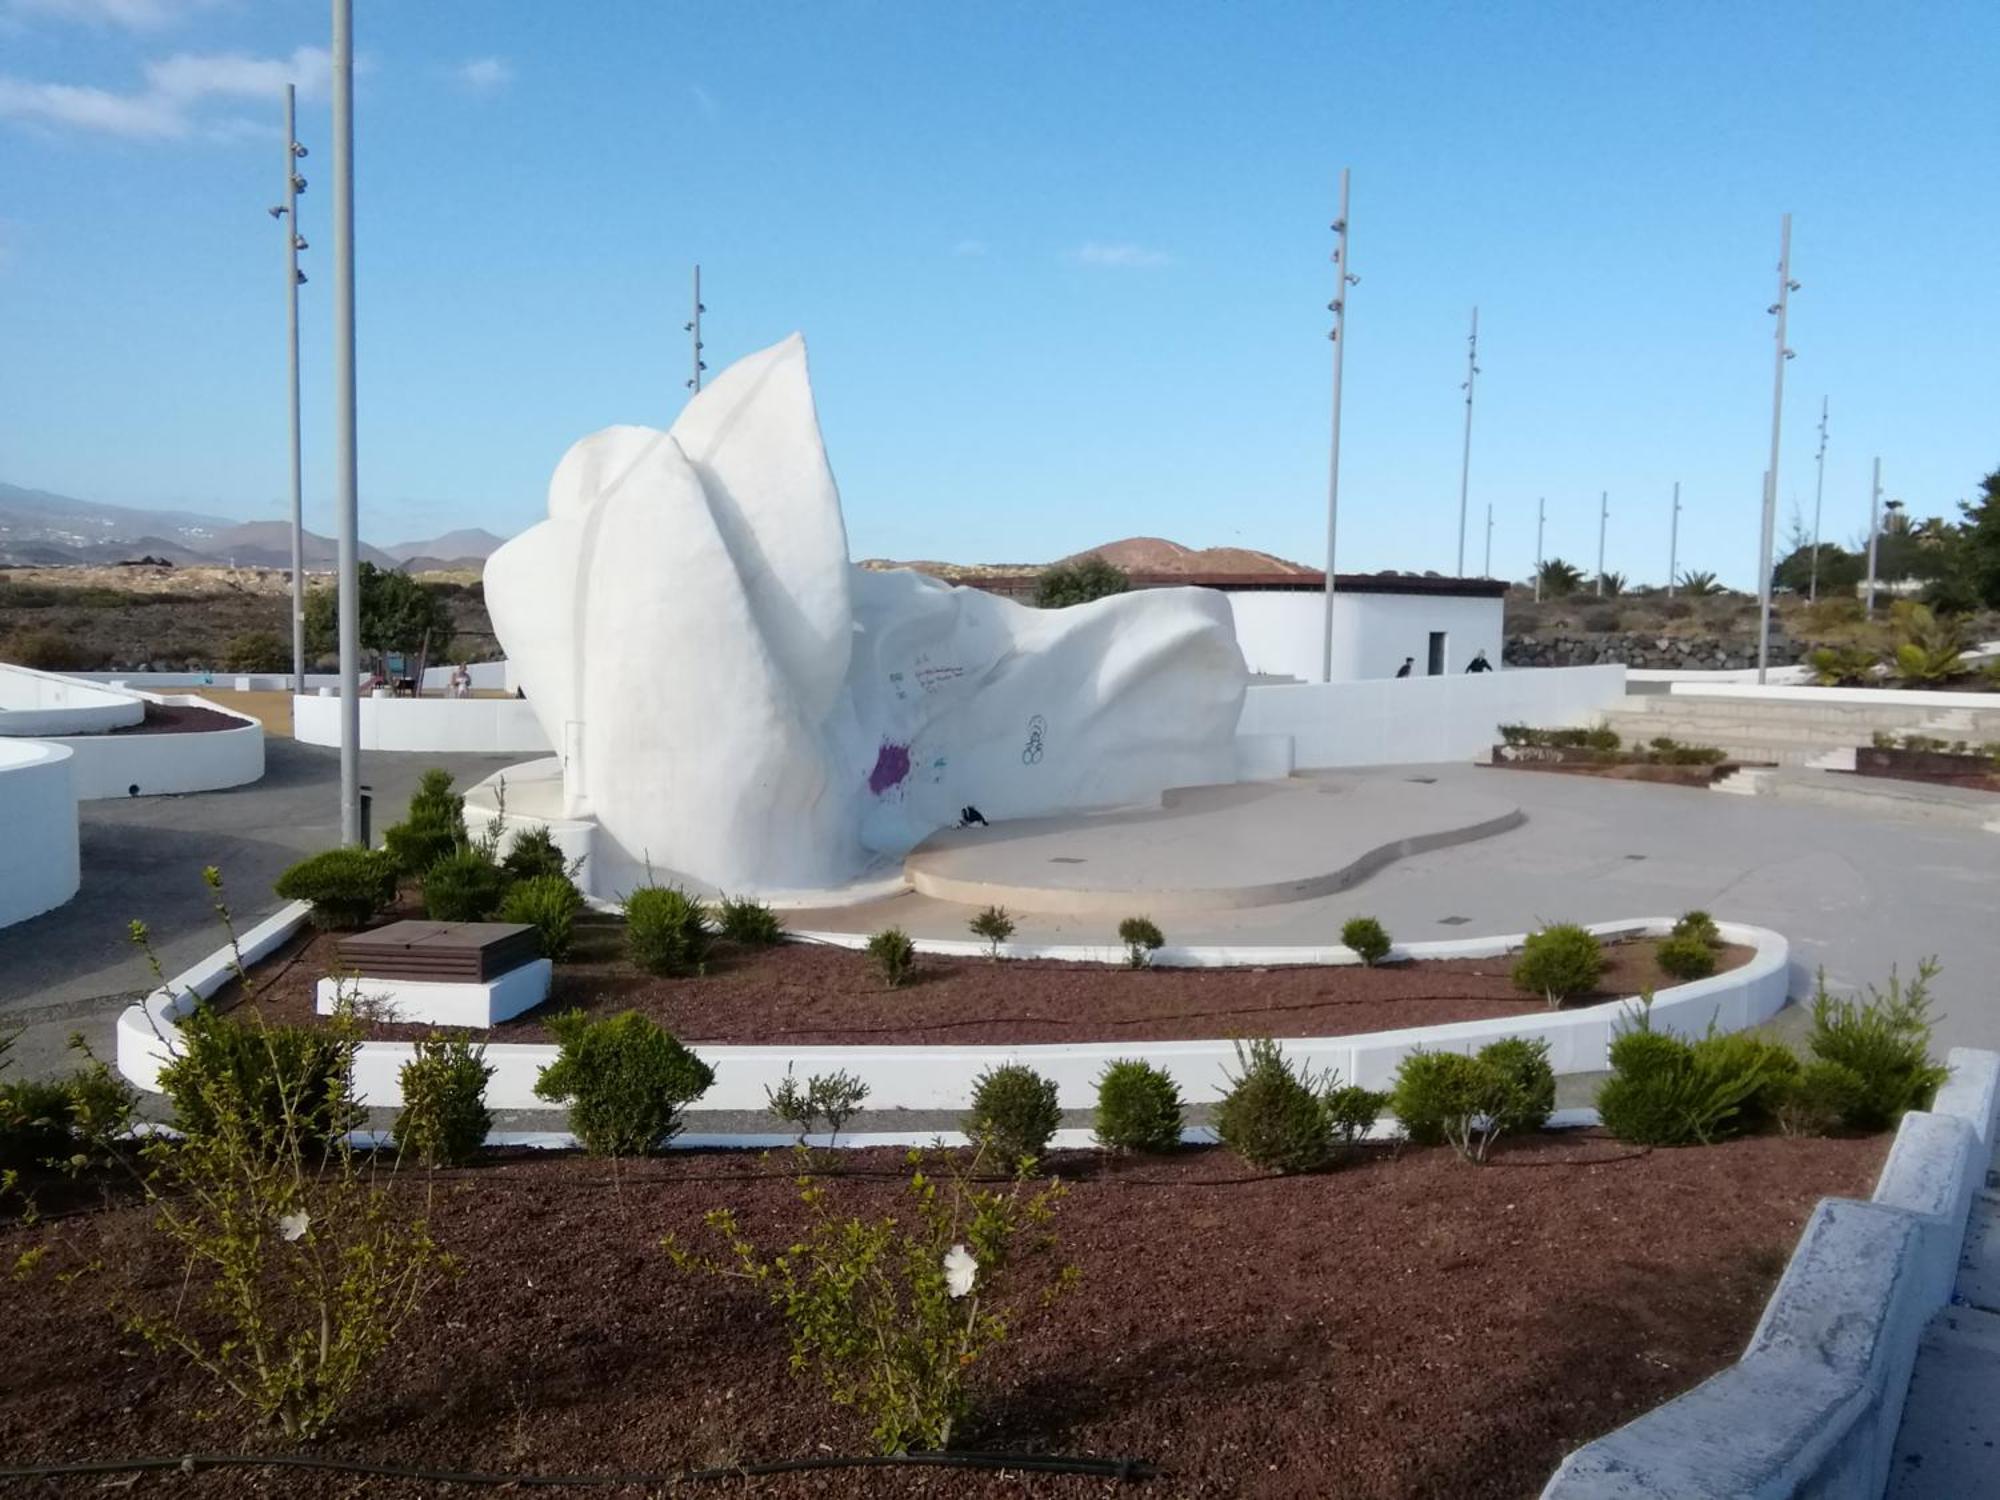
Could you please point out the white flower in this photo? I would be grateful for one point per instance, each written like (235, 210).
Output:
(292, 1226)
(959, 1269)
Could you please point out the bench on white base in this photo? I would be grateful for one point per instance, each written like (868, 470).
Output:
(466, 1002)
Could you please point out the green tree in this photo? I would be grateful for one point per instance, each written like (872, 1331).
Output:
(1560, 579)
(398, 615)
(1980, 541)
(1839, 569)
(1079, 582)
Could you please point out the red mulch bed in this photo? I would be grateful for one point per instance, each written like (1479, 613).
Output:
(1701, 776)
(809, 994)
(179, 718)
(1407, 1326)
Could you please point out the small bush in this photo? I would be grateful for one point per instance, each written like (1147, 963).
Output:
(750, 923)
(995, 926)
(1665, 1092)
(433, 827)
(1528, 1082)
(1272, 1115)
(266, 1076)
(1138, 1107)
(666, 930)
(1685, 956)
(1820, 1098)
(1469, 1102)
(1698, 924)
(1368, 938)
(444, 1119)
(625, 1080)
(345, 886)
(1142, 939)
(1885, 1041)
(894, 956)
(1737, 1054)
(464, 886)
(257, 651)
(63, 1121)
(832, 1097)
(549, 904)
(535, 852)
(1351, 1112)
(1602, 737)
(1559, 962)
(1014, 1112)
(49, 651)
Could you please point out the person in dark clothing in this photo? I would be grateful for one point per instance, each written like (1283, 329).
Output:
(1404, 669)
(1480, 663)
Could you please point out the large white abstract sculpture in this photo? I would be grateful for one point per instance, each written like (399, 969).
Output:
(737, 704)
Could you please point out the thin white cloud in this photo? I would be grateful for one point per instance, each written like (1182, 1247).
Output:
(1119, 257)
(167, 107)
(705, 100)
(484, 75)
(132, 15)
(969, 248)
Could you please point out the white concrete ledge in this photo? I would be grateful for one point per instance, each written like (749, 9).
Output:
(154, 765)
(39, 868)
(1814, 1405)
(938, 1076)
(473, 726)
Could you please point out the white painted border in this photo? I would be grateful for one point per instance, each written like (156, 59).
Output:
(1834, 696)
(941, 1077)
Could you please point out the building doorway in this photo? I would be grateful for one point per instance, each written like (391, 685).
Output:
(1436, 667)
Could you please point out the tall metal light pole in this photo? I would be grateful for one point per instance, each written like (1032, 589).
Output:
(1603, 517)
(1541, 516)
(1465, 460)
(1819, 495)
(346, 501)
(1674, 541)
(1874, 531)
(1342, 280)
(1486, 569)
(693, 328)
(288, 214)
(1780, 310)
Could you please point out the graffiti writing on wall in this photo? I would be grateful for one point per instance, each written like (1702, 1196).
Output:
(892, 768)
(1032, 752)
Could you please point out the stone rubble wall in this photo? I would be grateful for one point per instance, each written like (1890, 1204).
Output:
(1647, 650)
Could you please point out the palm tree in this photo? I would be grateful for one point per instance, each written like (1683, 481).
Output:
(1559, 579)
(1699, 585)
(1613, 584)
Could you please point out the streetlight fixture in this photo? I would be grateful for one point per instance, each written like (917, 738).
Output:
(1819, 495)
(346, 501)
(287, 213)
(1465, 459)
(1780, 310)
(1674, 541)
(693, 329)
(1342, 280)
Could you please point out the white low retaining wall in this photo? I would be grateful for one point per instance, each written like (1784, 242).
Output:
(1410, 720)
(1813, 1406)
(44, 704)
(931, 1076)
(154, 765)
(471, 725)
(39, 868)
(1859, 697)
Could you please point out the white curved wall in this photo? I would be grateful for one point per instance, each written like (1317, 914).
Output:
(1282, 631)
(44, 704)
(473, 725)
(153, 765)
(38, 852)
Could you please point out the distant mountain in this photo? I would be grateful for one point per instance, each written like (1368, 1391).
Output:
(454, 549)
(268, 544)
(1156, 555)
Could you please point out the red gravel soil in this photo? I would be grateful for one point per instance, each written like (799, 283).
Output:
(1616, 771)
(179, 718)
(810, 994)
(1408, 1325)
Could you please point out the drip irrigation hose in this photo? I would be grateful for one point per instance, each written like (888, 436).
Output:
(190, 1463)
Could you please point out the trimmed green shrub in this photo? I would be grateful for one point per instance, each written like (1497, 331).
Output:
(894, 956)
(1732, 1054)
(1272, 1115)
(1819, 1098)
(666, 930)
(1685, 956)
(464, 886)
(549, 904)
(1469, 1102)
(1351, 1112)
(995, 926)
(535, 852)
(444, 1119)
(1885, 1040)
(1698, 924)
(1559, 962)
(345, 886)
(1368, 938)
(832, 1097)
(1142, 939)
(1014, 1112)
(1528, 1082)
(60, 1120)
(625, 1080)
(750, 923)
(431, 829)
(1138, 1107)
(1665, 1092)
(275, 1080)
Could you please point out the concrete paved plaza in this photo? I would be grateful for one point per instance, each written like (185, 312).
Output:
(1854, 893)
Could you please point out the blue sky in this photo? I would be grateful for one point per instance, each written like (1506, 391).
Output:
(1062, 268)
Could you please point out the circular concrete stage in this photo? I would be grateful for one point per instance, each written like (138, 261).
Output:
(1204, 848)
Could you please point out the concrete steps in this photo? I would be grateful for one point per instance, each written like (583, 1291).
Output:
(1816, 735)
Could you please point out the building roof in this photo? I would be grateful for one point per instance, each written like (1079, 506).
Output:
(1019, 584)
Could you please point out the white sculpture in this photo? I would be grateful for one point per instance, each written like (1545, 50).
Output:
(737, 704)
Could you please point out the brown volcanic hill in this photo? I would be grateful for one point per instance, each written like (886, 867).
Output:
(1153, 555)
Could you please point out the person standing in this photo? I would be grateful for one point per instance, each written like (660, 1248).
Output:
(1409, 662)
